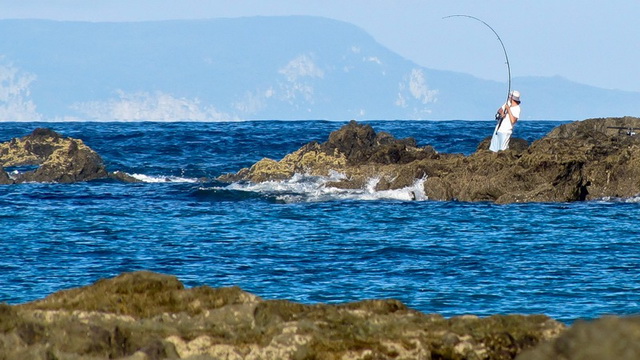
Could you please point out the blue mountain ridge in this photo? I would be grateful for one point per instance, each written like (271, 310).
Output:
(289, 68)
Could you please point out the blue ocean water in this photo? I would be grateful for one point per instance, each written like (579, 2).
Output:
(296, 240)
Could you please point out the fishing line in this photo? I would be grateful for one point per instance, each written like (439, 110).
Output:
(501, 44)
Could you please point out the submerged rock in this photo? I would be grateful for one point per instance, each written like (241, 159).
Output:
(144, 315)
(583, 160)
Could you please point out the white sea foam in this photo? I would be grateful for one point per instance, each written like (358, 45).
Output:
(163, 179)
(632, 199)
(612, 199)
(307, 188)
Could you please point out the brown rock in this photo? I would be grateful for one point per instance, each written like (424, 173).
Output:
(59, 159)
(4, 178)
(605, 338)
(152, 316)
(579, 161)
(515, 144)
(361, 145)
(124, 177)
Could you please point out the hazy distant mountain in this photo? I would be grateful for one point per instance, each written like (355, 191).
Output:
(252, 68)
(559, 98)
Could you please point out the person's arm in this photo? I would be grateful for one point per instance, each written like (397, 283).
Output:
(511, 117)
(502, 112)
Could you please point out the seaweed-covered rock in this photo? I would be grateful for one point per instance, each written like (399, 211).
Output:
(590, 159)
(57, 159)
(145, 315)
(597, 129)
(49, 157)
(606, 338)
(515, 144)
(360, 144)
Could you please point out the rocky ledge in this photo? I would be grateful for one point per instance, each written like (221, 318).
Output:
(49, 157)
(144, 315)
(584, 160)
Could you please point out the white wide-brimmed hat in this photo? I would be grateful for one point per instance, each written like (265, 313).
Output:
(515, 95)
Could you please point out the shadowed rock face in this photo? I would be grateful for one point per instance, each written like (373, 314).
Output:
(583, 160)
(145, 315)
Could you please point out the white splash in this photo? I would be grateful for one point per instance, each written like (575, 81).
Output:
(142, 106)
(629, 200)
(163, 179)
(15, 93)
(307, 188)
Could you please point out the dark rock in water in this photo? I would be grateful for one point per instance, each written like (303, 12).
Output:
(145, 315)
(58, 159)
(360, 144)
(53, 158)
(124, 177)
(4, 178)
(584, 160)
(355, 148)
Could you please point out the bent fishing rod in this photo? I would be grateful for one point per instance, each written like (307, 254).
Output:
(503, 49)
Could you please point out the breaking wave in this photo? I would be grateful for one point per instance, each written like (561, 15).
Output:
(163, 179)
(628, 200)
(306, 188)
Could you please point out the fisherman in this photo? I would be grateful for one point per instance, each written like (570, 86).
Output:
(508, 114)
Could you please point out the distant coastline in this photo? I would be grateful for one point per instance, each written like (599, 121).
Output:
(291, 67)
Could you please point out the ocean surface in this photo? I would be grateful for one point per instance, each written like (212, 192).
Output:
(300, 241)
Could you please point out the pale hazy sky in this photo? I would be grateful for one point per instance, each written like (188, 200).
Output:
(591, 42)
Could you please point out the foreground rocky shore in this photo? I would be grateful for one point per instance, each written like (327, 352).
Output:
(144, 315)
(583, 160)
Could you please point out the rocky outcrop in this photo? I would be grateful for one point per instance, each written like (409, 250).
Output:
(145, 315)
(583, 160)
(54, 159)
(57, 159)
(515, 144)
(610, 337)
(356, 150)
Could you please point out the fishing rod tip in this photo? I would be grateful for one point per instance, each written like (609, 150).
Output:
(454, 15)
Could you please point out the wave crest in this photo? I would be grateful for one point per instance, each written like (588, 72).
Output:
(307, 188)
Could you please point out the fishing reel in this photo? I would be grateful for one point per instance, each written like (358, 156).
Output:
(498, 116)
